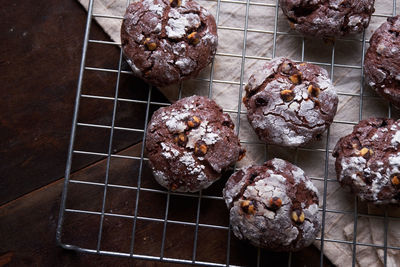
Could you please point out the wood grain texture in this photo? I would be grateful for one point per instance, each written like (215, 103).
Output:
(28, 226)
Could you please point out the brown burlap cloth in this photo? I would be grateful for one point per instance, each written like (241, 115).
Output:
(347, 80)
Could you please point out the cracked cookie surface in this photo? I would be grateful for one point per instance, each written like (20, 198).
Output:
(190, 143)
(165, 41)
(368, 160)
(273, 206)
(290, 103)
(382, 61)
(328, 18)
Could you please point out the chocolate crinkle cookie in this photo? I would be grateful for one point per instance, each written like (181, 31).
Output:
(273, 206)
(190, 143)
(382, 61)
(167, 41)
(290, 103)
(368, 160)
(328, 18)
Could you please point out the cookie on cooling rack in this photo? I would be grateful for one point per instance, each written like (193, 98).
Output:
(328, 18)
(273, 206)
(190, 143)
(167, 41)
(368, 160)
(290, 103)
(381, 65)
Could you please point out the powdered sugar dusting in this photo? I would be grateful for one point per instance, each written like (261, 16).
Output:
(158, 9)
(178, 24)
(282, 134)
(234, 188)
(211, 136)
(186, 65)
(175, 121)
(354, 20)
(134, 68)
(351, 166)
(188, 160)
(279, 164)
(160, 177)
(263, 190)
(157, 28)
(205, 133)
(179, 49)
(298, 175)
(394, 162)
(168, 151)
(324, 82)
(259, 77)
(396, 138)
(210, 39)
(356, 167)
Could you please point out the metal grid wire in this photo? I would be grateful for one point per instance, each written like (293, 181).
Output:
(109, 155)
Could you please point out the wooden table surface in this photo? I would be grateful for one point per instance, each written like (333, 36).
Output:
(41, 50)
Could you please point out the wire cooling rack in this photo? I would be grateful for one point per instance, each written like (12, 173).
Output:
(106, 185)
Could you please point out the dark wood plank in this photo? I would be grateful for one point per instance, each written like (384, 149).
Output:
(41, 44)
(28, 225)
